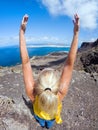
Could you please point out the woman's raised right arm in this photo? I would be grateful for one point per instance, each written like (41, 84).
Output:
(69, 64)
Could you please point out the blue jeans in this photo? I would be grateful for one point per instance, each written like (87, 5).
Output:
(45, 123)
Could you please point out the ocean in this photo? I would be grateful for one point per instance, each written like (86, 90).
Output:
(10, 55)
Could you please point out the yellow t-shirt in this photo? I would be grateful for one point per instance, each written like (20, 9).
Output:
(46, 116)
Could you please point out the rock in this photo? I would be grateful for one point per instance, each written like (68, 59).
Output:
(88, 45)
(12, 117)
(87, 57)
(54, 60)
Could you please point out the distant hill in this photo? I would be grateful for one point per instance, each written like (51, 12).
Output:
(87, 57)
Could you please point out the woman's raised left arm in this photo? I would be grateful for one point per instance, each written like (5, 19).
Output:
(26, 66)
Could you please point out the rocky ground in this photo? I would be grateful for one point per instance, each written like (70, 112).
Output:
(80, 106)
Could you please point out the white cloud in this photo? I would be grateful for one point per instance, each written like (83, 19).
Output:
(5, 41)
(87, 10)
(12, 40)
(30, 39)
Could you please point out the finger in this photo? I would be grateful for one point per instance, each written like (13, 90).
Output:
(76, 16)
(25, 19)
(76, 19)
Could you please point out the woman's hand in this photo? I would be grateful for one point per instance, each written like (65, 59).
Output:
(76, 23)
(24, 22)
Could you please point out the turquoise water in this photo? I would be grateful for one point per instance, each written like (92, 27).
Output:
(10, 56)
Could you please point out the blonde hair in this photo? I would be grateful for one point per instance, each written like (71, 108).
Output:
(47, 88)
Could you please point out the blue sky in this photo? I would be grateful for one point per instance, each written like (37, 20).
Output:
(50, 21)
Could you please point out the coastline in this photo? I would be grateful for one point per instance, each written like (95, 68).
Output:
(10, 56)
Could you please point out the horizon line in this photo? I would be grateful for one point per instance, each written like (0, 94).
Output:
(33, 46)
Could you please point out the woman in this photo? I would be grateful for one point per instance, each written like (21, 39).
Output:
(50, 89)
